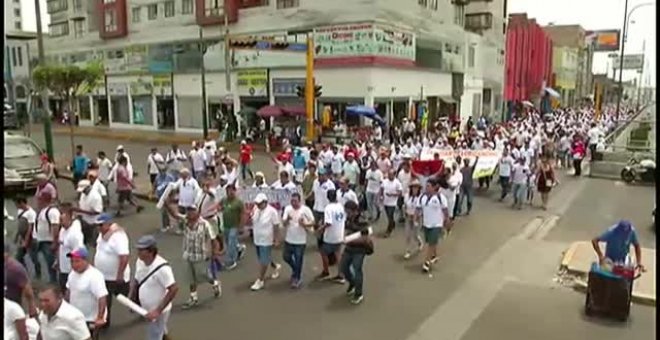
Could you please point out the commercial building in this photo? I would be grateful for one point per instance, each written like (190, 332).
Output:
(390, 54)
(528, 60)
(16, 69)
(574, 55)
(13, 13)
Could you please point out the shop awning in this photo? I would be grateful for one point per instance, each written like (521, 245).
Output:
(448, 99)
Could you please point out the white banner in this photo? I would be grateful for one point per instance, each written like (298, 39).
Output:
(485, 166)
(277, 197)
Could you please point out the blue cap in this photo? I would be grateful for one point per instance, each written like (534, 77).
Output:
(103, 218)
(79, 253)
(321, 171)
(146, 242)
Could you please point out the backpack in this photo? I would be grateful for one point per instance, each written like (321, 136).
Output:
(23, 227)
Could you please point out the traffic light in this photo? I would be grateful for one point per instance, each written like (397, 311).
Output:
(300, 91)
(242, 43)
(317, 91)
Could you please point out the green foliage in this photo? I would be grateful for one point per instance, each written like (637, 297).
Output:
(66, 80)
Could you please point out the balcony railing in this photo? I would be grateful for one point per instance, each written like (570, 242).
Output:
(479, 22)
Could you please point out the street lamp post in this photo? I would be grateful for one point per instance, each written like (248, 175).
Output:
(626, 19)
(48, 133)
(205, 116)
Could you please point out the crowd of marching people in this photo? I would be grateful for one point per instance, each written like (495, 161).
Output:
(217, 203)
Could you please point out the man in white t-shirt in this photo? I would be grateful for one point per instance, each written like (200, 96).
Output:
(297, 219)
(346, 193)
(374, 179)
(90, 206)
(45, 235)
(70, 238)
(154, 161)
(154, 286)
(435, 216)
(519, 175)
(15, 322)
(505, 165)
(86, 289)
(334, 223)
(390, 191)
(351, 170)
(58, 319)
(26, 218)
(594, 134)
(111, 258)
(265, 230)
(197, 158)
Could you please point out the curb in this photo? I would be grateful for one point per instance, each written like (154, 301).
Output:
(568, 256)
(642, 299)
(142, 196)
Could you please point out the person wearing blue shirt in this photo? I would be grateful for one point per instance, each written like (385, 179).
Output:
(299, 164)
(80, 165)
(163, 179)
(618, 239)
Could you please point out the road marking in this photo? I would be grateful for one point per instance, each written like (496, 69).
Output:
(530, 228)
(545, 228)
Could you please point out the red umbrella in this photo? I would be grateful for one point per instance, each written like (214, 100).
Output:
(295, 110)
(270, 111)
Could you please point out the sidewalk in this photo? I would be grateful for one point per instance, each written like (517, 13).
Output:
(579, 256)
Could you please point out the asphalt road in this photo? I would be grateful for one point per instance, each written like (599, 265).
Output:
(398, 298)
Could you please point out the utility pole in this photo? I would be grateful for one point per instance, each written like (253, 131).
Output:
(641, 73)
(309, 89)
(205, 116)
(621, 56)
(48, 133)
(228, 65)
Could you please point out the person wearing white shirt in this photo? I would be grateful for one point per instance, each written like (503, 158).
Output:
(285, 183)
(58, 319)
(260, 181)
(435, 216)
(337, 161)
(15, 322)
(70, 238)
(413, 224)
(505, 165)
(390, 191)
(231, 171)
(86, 289)
(45, 235)
(454, 181)
(175, 158)
(129, 166)
(99, 187)
(285, 165)
(405, 177)
(326, 158)
(90, 206)
(346, 194)
(154, 286)
(197, 158)
(111, 258)
(154, 160)
(374, 178)
(334, 223)
(298, 219)
(594, 134)
(265, 229)
(320, 187)
(26, 218)
(519, 175)
(105, 168)
(351, 170)
(188, 190)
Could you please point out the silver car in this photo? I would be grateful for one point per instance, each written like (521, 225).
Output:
(22, 162)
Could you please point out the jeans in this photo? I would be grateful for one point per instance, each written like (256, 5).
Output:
(45, 248)
(158, 329)
(389, 212)
(372, 206)
(351, 268)
(466, 193)
(519, 193)
(245, 170)
(413, 240)
(164, 219)
(293, 256)
(20, 255)
(505, 184)
(231, 241)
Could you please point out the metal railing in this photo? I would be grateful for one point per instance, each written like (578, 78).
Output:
(610, 140)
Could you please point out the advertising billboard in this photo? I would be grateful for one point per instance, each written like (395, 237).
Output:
(604, 40)
(630, 62)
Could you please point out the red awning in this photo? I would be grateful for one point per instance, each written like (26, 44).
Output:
(294, 110)
(270, 111)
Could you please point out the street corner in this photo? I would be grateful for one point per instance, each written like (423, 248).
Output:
(576, 264)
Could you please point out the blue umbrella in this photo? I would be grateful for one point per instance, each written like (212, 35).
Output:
(365, 111)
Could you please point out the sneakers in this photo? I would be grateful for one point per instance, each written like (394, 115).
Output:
(276, 271)
(192, 302)
(217, 290)
(357, 300)
(426, 267)
(338, 280)
(296, 284)
(178, 231)
(231, 266)
(257, 285)
(350, 291)
(323, 276)
(407, 255)
(434, 260)
(241, 251)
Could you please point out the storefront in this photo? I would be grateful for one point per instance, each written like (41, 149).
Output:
(142, 101)
(252, 89)
(119, 104)
(162, 89)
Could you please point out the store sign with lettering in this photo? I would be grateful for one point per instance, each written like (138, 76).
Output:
(253, 83)
(363, 40)
(287, 87)
(163, 85)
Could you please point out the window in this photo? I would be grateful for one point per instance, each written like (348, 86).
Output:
(152, 12)
(430, 4)
(213, 7)
(459, 15)
(13, 56)
(78, 28)
(17, 12)
(20, 55)
(186, 6)
(18, 26)
(110, 20)
(471, 56)
(135, 14)
(55, 6)
(169, 9)
(77, 4)
(59, 29)
(281, 4)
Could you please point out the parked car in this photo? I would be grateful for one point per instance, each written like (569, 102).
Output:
(10, 116)
(22, 162)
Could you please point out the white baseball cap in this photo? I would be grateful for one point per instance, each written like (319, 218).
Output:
(261, 198)
(82, 185)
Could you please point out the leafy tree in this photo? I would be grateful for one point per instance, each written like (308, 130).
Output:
(67, 82)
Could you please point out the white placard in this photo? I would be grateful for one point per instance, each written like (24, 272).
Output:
(131, 305)
(354, 236)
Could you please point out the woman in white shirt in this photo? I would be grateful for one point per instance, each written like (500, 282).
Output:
(413, 223)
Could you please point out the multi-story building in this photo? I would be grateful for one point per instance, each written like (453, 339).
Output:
(528, 60)
(564, 73)
(573, 37)
(13, 16)
(484, 83)
(390, 54)
(17, 70)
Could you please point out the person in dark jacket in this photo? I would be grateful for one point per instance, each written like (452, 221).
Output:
(354, 252)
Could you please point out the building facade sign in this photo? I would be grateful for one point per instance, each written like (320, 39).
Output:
(630, 62)
(286, 87)
(136, 59)
(163, 85)
(363, 40)
(115, 89)
(604, 40)
(160, 59)
(142, 87)
(253, 83)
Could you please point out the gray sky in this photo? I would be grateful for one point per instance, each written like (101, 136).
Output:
(590, 14)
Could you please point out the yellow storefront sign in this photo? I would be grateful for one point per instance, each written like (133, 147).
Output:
(252, 83)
